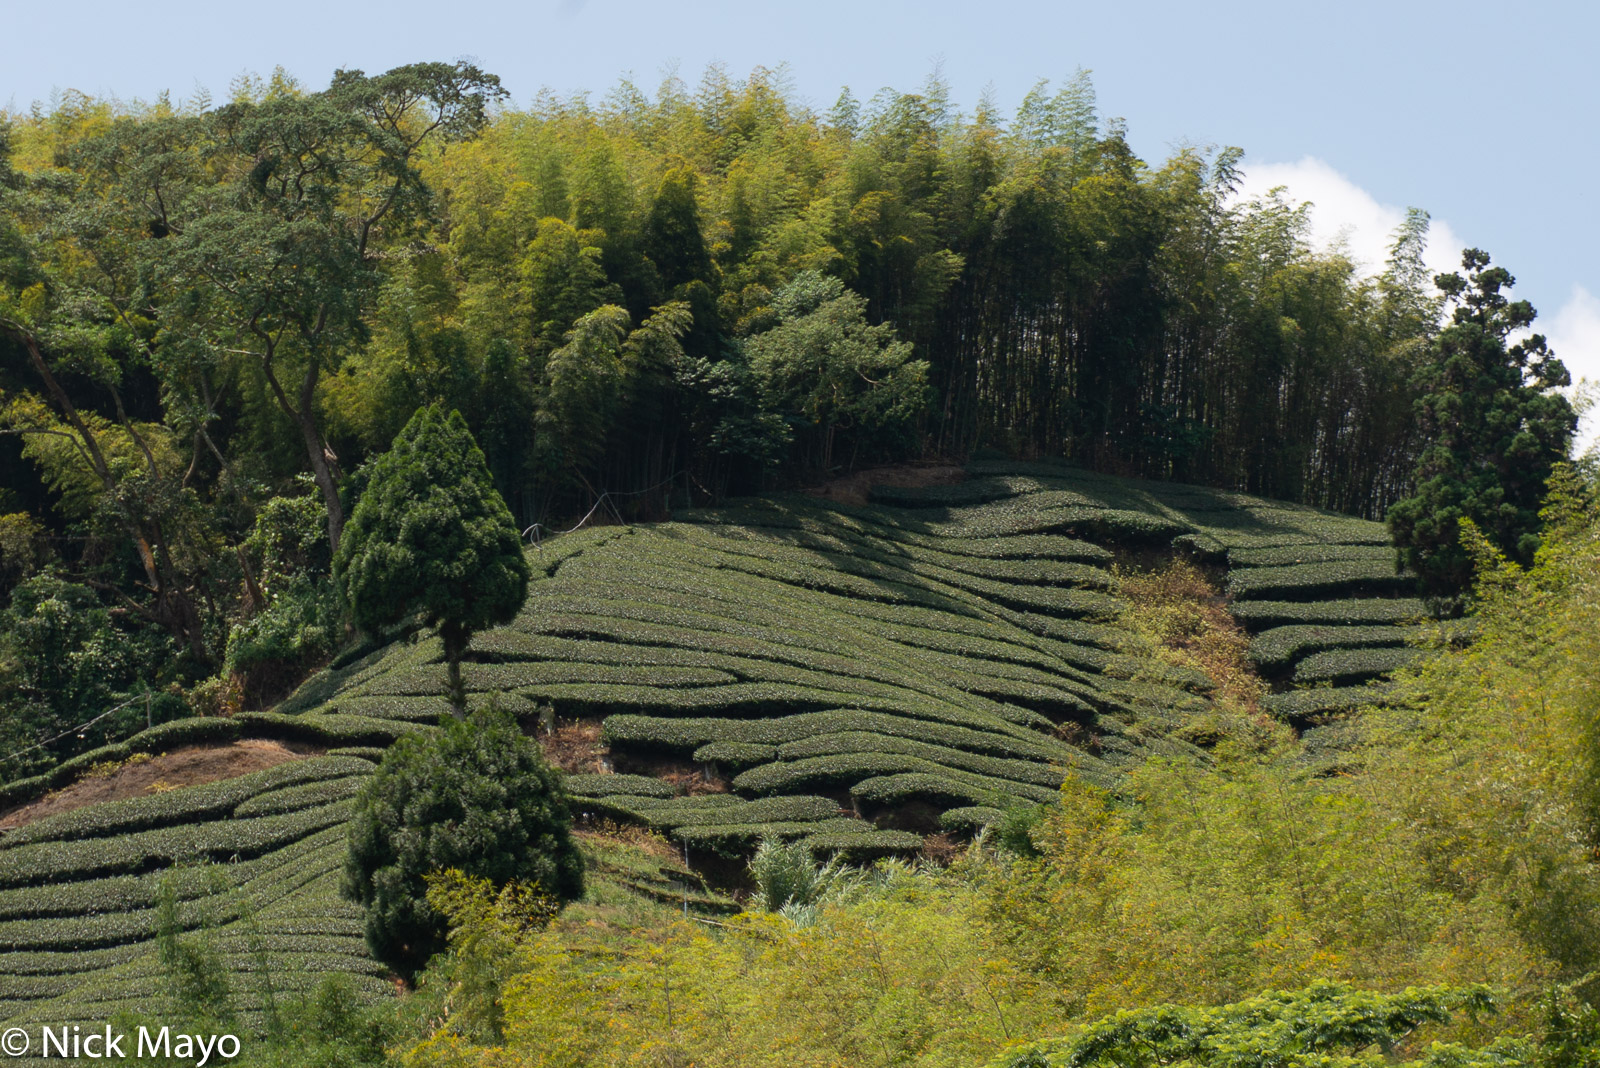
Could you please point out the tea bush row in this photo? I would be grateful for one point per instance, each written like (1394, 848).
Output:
(1258, 615)
(1320, 580)
(683, 736)
(1039, 774)
(1345, 666)
(1280, 647)
(209, 801)
(218, 840)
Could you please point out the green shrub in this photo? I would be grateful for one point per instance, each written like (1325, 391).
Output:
(786, 874)
(686, 813)
(1282, 646)
(846, 769)
(1315, 553)
(190, 804)
(735, 754)
(220, 840)
(609, 785)
(1257, 615)
(920, 786)
(295, 798)
(970, 819)
(866, 742)
(371, 753)
(1319, 580)
(301, 624)
(477, 796)
(1323, 700)
(741, 839)
(862, 848)
(674, 735)
(1345, 666)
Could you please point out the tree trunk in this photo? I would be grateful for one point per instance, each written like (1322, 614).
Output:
(324, 464)
(455, 647)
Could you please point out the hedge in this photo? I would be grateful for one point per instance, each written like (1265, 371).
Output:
(742, 838)
(191, 804)
(295, 798)
(735, 754)
(1258, 615)
(788, 809)
(849, 768)
(407, 709)
(220, 840)
(1323, 700)
(860, 848)
(370, 753)
(1280, 647)
(866, 742)
(56, 962)
(481, 678)
(618, 785)
(970, 819)
(158, 739)
(674, 735)
(1319, 580)
(921, 786)
(330, 729)
(1315, 553)
(1345, 666)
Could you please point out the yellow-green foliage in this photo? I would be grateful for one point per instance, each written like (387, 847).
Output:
(1463, 850)
(896, 978)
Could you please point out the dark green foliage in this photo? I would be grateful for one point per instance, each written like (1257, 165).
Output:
(970, 819)
(718, 810)
(1258, 615)
(735, 755)
(1346, 666)
(299, 618)
(607, 785)
(431, 536)
(1325, 1023)
(1317, 581)
(206, 802)
(222, 840)
(1282, 646)
(829, 370)
(1495, 426)
(65, 659)
(478, 796)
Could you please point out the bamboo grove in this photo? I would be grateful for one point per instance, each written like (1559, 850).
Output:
(213, 313)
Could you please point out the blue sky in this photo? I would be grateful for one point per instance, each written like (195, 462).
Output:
(1483, 115)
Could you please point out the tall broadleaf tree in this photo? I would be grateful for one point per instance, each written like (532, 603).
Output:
(431, 536)
(1495, 426)
(279, 261)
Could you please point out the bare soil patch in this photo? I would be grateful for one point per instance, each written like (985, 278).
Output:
(576, 748)
(853, 488)
(189, 766)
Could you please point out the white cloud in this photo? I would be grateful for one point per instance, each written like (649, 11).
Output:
(1574, 333)
(1343, 211)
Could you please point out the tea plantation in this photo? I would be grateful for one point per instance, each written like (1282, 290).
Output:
(853, 677)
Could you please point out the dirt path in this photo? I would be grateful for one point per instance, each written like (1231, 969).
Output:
(853, 488)
(189, 766)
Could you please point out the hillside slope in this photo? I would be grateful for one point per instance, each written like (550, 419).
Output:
(857, 677)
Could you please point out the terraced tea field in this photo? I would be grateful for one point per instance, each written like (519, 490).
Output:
(854, 677)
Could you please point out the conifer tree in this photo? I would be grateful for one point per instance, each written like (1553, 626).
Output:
(1495, 428)
(430, 535)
